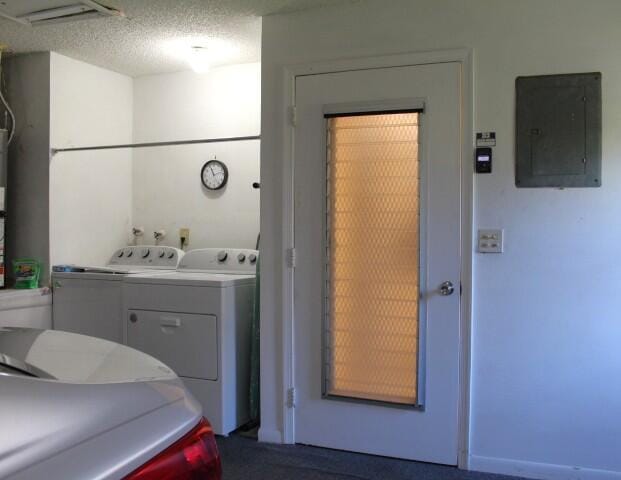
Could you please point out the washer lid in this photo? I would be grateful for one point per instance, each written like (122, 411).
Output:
(198, 279)
(104, 273)
(88, 276)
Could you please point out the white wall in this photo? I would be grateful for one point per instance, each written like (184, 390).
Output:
(545, 363)
(90, 191)
(168, 194)
(96, 196)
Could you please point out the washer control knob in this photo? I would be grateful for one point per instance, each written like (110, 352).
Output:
(145, 252)
(130, 253)
(161, 253)
(241, 258)
(171, 255)
(120, 254)
(252, 258)
(222, 255)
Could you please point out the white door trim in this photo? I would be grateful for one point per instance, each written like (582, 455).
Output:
(465, 58)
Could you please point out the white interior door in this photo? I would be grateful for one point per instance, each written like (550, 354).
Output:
(377, 234)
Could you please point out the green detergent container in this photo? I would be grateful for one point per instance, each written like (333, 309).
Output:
(27, 272)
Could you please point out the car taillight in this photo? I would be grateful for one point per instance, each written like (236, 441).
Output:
(195, 456)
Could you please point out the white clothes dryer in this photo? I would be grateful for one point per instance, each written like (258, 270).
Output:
(197, 321)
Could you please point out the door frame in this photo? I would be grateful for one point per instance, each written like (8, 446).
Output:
(463, 56)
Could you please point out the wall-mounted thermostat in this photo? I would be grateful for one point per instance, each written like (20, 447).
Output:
(483, 160)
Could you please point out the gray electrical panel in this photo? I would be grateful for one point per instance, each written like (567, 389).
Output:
(559, 131)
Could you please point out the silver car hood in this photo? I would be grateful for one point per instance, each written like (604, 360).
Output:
(96, 386)
(72, 358)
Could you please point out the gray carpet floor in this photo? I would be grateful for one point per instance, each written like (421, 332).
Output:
(245, 458)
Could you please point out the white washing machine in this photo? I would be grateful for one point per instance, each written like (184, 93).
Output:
(197, 321)
(88, 300)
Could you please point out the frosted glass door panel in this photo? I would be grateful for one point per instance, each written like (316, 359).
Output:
(372, 257)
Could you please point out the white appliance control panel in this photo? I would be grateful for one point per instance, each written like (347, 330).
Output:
(220, 260)
(147, 256)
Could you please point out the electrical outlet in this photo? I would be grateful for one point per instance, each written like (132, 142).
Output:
(184, 236)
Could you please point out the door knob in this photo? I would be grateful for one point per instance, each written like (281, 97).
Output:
(133, 318)
(447, 288)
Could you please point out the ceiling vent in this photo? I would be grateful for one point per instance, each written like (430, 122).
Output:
(44, 12)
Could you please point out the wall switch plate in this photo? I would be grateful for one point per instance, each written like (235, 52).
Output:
(490, 241)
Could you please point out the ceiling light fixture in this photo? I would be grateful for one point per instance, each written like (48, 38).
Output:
(199, 59)
(201, 53)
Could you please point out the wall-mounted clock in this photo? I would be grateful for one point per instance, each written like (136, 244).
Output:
(214, 175)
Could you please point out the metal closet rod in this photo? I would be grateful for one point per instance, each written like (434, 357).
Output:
(157, 144)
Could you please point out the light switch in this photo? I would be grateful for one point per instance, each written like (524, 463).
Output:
(490, 241)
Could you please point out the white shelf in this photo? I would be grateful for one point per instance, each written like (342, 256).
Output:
(12, 298)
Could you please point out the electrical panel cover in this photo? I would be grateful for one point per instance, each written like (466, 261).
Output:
(559, 131)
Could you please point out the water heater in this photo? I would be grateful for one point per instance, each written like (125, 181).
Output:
(4, 155)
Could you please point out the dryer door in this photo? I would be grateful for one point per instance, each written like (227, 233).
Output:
(187, 343)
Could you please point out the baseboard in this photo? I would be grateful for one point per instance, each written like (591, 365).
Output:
(270, 435)
(544, 471)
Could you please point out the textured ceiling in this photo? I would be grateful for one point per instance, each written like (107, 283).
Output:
(144, 42)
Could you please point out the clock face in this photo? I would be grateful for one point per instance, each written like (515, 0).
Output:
(214, 175)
